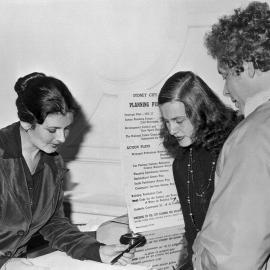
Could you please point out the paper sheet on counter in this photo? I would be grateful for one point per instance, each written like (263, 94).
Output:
(60, 260)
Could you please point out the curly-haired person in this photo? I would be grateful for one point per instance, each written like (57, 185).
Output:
(236, 231)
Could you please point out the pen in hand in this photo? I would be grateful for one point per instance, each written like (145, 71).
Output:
(135, 244)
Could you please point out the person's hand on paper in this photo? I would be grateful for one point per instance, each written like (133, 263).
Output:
(22, 264)
(109, 252)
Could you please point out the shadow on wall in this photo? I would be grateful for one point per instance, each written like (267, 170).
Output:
(79, 129)
(70, 150)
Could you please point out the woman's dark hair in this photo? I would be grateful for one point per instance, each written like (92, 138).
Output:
(242, 37)
(40, 95)
(211, 119)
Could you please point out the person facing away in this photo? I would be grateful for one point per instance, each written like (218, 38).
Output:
(196, 124)
(31, 177)
(236, 231)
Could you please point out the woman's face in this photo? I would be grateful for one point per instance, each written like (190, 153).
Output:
(51, 133)
(177, 122)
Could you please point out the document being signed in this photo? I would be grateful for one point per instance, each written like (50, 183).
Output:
(60, 260)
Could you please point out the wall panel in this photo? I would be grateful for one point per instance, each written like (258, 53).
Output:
(100, 48)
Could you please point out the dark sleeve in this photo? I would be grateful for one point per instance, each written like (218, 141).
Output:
(3, 260)
(64, 236)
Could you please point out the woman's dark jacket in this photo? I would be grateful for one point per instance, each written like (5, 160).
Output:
(17, 220)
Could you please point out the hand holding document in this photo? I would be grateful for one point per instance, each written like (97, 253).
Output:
(60, 260)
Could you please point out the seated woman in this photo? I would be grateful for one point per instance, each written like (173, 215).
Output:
(31, 177)
(196, 124)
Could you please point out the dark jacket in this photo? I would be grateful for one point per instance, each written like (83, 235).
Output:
(18, 223)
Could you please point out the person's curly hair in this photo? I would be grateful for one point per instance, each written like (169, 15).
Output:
(211, 119)
(242, 37)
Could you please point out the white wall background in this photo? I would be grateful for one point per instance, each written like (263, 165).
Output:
(99, 48)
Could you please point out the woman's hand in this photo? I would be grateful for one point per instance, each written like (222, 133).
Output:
(109, 252)
(22, 264)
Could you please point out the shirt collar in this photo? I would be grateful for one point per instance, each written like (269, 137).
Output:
(255, 101)
(10, 138)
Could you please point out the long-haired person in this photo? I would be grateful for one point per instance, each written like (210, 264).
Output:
(196, 124)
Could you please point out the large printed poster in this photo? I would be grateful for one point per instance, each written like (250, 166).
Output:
(151, 195)
(165, 249)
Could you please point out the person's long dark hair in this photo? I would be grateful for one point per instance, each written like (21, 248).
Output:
(212, 120)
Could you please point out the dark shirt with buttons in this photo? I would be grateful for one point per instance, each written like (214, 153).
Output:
(34, 182)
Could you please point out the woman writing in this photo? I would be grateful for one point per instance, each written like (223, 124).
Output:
(31, 176)
(196, 124)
